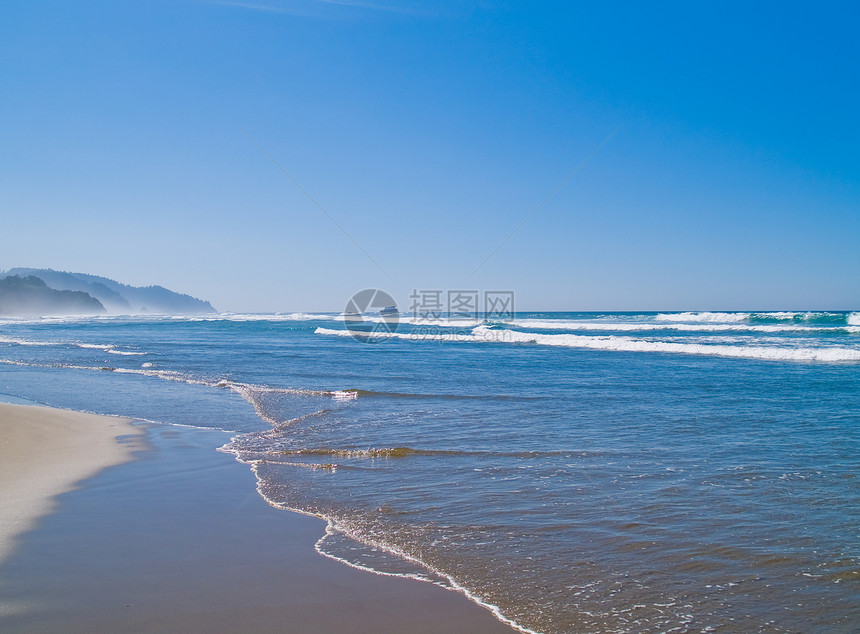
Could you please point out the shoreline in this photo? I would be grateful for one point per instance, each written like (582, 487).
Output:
(179, 539)
(331, 528)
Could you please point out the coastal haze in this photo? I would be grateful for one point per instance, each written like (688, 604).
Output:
(28, 292)
(465, 317)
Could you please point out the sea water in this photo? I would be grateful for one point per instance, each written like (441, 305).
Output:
(603, 472)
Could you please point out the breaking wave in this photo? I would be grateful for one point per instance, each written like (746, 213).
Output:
(110, 348)
(485, 334)
(252, 317)
(630, 344)
(809, 317)
(679, 326)
(703, 317)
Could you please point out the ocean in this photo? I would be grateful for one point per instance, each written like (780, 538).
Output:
(573, 472)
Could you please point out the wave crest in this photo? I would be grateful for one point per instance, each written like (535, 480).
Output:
(485, 334)
(703, 317)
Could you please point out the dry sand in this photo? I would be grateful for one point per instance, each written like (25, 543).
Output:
(45, 452)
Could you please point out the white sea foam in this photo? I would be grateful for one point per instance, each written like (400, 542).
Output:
(854, 319)
(247, 391)
(25, 342)
(787, 314)
(733, 317)
(607, 326)
(46, 320)
(111, 348)
(730, 324)
(334, 526)
(167, 375)
(450, 582)
(631, 344)
(703, 316)
(484, 334)
(258, 317)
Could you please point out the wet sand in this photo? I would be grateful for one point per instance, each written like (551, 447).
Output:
(179, 540)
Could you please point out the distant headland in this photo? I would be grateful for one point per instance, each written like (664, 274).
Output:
(38, 292)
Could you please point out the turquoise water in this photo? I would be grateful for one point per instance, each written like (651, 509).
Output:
(572, 471)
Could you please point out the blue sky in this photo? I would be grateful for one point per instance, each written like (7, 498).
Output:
(428, 132)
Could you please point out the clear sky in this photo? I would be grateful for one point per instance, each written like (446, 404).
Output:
(429, 132)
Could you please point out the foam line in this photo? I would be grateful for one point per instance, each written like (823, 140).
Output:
(484, 334)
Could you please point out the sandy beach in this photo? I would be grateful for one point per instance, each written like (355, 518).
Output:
(45, 452)
(175, 540)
